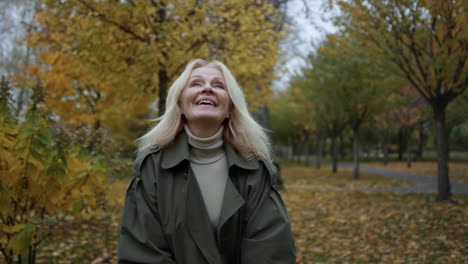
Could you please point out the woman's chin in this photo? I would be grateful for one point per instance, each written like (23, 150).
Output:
(206, 119)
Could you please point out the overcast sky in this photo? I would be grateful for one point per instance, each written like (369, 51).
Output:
(309, 25)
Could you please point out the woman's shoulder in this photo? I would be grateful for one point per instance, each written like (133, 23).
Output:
(143, 154)
(266, 171)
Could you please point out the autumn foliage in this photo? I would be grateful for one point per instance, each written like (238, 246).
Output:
(42, 178)
(99, 70)
(427, 41)
(104, 62)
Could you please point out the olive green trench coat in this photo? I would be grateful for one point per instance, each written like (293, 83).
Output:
(165, 219)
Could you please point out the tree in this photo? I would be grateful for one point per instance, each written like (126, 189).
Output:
(292, 121)
(408, 115)
(104, 62)
(352, 85)
(457, 122)
(317, 88)
(402, 113)
(42, 178)
(457, 113)
(387, 123)
(428, 42)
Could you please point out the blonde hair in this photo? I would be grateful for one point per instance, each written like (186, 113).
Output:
(241, 131)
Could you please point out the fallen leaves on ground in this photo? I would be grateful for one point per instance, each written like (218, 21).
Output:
(90, 238)
(353, 227)
(329, 226)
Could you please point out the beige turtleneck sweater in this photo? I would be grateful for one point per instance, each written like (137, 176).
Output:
(208, 162)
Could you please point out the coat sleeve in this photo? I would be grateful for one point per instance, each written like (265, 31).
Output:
(141, 235)
(267, 235)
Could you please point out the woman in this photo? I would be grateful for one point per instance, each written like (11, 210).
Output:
(203, 187)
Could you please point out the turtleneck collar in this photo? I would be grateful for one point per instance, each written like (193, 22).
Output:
(205, 150)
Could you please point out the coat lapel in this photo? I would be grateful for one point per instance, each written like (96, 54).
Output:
(232, 202)
(230, 222)
(198, 222)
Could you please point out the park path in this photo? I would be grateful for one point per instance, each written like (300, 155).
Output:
(423, 183)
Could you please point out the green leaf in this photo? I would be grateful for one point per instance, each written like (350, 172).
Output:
(13, 229)
(4, 187)
(29, 132)
(21, 241)
(35, 220)
(4, 205)
(38, 156)
(78, 206)
(30, 228)
(45, 140)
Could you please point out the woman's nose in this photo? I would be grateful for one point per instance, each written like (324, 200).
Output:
(207, 89)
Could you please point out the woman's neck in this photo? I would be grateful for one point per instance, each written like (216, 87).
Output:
(205, 150)
(203, 130)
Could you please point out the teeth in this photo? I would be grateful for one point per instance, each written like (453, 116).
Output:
(206, 102)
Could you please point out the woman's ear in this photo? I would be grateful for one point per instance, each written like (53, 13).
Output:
(180, 107)
(231, 107)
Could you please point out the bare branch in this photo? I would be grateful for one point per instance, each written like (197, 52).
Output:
(118, 25)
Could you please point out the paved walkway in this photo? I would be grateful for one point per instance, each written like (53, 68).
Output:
(424, 184)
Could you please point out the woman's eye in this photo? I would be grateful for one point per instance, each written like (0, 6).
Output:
(220, 86)
(195, 84)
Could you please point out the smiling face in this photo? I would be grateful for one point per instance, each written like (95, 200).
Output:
(205, 101)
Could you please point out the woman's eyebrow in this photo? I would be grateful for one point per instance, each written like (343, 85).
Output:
(202, 77)
(195, 77)
(218, 79)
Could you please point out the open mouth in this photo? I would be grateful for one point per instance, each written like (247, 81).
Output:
(206, 102)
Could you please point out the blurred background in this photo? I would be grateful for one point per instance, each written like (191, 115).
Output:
(365, 102)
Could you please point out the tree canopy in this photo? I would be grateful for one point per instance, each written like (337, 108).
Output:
(105, 62)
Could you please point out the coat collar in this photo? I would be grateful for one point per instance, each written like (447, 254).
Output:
(178, 151)
(225, 237)
(198, 222)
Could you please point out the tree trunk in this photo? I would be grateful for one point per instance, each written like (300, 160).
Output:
(306, 152)
(449, 128)
(318, 159)
(341, 149)
(419, 153)
(444, 193)
(334, 154)
(400, 144)
(408, 158)
(32, 254)
(385, 154)
(24, 93)
(408, 148)
(296, 153)
(8, 256)
(163, 86)
(356, 153)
